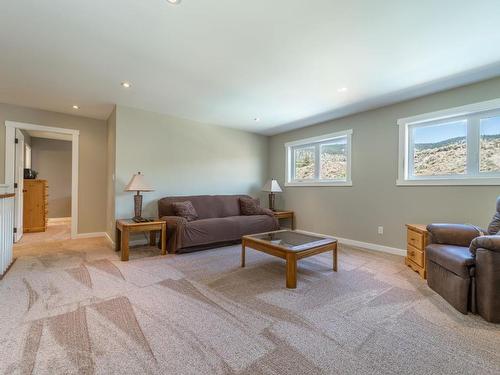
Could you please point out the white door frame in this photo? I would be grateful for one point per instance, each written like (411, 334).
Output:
(10, 135)
(19, 179)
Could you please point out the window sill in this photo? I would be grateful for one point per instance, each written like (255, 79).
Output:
(315, 184)
(451, 182)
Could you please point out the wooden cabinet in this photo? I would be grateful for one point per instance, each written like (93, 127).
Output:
(35, 205)
(417, 239)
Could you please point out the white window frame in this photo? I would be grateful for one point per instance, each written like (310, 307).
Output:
(316, 142)
(472, 113)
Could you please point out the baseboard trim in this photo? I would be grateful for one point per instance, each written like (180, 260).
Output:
(365, 245)
(91, 235)
(55, 220)
(108, 238)
(372, 246)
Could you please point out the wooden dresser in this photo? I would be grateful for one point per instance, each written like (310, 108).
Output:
(417, 238)
(35, 205)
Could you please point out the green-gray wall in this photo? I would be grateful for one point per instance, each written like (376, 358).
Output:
(181, 157)
(374, 199)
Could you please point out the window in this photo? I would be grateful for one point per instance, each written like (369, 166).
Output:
(320, 161)
(459, 146)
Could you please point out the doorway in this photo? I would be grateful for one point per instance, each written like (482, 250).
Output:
(19, 159)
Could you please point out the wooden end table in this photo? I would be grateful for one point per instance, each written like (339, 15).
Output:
(126, 226)
(286, 215)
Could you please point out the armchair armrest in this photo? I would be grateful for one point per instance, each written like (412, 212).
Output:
(491, 243)
(453, 234)
(175, 225)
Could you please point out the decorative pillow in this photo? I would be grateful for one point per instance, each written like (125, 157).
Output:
(250, 206)
(185, 210)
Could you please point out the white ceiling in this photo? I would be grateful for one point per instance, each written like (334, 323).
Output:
(226, 62)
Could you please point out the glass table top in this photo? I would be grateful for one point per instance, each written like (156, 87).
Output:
(293, 240)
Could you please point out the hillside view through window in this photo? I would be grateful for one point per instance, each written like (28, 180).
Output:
(447, 149)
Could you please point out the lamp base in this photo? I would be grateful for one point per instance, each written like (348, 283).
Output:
(272, 201)
(137, 206)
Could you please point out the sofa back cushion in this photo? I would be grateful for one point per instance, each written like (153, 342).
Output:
(206, 206)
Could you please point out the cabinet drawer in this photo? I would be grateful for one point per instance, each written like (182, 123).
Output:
(415, 239)
(416, 255)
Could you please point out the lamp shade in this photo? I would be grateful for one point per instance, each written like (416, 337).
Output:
(272, 186)
(138, 183)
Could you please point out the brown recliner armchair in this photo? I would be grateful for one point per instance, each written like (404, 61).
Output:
(463, 266)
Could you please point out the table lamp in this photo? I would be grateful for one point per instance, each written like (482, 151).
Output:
(272, 187)
(138, 184)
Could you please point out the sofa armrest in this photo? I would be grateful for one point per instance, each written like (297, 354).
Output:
(491, 243)
(453, 234)
(175, 225)
(174, 221)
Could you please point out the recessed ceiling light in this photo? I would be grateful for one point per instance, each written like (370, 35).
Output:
(342, 89)
(256, 119)
(174, 2)
(126, 84)
(76, 107)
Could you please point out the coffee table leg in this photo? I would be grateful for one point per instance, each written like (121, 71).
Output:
(335, 257)
(243, 254)
(291, 271)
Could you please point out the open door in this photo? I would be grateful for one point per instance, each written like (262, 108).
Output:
(19, 185)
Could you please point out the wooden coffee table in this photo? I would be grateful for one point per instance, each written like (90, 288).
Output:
(290, 245)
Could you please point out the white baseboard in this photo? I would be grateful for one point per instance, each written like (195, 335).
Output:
(55, 220)
(109, 239)
(91, 235)
(130, 243)
(365, 245)
(371, 246)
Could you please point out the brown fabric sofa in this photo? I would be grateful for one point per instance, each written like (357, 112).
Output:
(220, 222)
(463, 266)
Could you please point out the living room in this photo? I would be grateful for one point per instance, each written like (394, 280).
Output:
(289, 187)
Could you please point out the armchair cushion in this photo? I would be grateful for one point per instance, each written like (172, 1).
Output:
(491, 243)
(453, 234)
(456, 259)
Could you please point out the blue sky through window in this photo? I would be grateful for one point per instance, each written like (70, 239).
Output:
(438, 133)
(490, 126)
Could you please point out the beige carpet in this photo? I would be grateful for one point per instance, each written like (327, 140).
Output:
(69, 307)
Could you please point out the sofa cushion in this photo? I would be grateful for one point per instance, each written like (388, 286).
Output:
(226, 229)
(456, 259)
(257, 224)
(206, 231)
(185, 210)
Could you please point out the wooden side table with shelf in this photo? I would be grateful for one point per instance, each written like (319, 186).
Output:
(417, 239)
(290, 215)
(126, 226)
